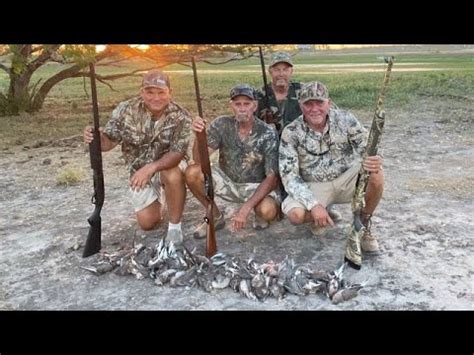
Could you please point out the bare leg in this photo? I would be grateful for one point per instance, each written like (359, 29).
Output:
(149, 217)
(267, 209)
(373, 194)
(175, 192)
(299, 216)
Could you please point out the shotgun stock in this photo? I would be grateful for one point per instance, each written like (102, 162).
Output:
(93, 241)
(211, 245)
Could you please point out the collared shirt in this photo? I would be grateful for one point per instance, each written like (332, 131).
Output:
(306, 155)
(249, 160)
(145, 139)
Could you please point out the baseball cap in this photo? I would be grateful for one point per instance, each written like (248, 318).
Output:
(155, 78)
(313, 91)
(242, 89)
(281, 57)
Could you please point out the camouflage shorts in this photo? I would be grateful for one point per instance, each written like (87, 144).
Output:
(231, 191)
(146, 196)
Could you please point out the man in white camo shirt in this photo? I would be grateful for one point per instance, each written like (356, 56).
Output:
(319, 160)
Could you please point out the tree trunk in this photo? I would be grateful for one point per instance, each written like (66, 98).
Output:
(18, 98)
(38, 100)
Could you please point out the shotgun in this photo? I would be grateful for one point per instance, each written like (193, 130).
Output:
(211, 245)
(93, 242)
(353, 253)
(268, 116)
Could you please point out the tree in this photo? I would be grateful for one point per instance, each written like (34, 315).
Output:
(21, 61)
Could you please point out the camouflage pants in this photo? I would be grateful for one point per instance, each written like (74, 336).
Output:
(231, 191)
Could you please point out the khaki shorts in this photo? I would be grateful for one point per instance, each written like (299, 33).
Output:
(152, 192)
(231, 191)
(340, 190)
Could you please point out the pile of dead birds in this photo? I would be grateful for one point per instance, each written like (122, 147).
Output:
(175, 266)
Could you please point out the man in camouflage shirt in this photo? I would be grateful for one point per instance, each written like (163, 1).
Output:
(282, 92)
(320, 158)
(247, 172)
(154, 133)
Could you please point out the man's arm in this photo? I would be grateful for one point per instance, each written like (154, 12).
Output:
(266, 186)
(143, 175)
(269, 184)
(294, 184)
(106, 143)
(356, 133)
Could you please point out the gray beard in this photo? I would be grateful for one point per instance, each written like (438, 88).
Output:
(281, 82)
(241, 118)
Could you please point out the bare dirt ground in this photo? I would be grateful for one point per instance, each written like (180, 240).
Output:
(425, 224)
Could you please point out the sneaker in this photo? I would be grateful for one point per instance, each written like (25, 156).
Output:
(334, 214)
(175, 236)
(201, 231)
(368, 242)
(259, 223)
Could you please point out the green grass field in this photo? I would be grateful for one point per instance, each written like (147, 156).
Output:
(353, 81)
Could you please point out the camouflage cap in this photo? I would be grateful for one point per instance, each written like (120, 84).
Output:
(242, 89)
(155, 78)
(313, 91)
(281, 57)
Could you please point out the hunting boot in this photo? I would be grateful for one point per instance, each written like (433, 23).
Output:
(368, 242)
(201, 231)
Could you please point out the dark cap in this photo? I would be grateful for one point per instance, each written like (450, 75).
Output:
(156, 79)
(242, 89)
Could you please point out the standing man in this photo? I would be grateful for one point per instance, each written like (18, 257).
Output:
(154, 133)
(282, 92)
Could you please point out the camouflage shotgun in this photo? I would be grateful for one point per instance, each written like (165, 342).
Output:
(211, 245)
(93, 242)
(353, 253)
(268, 116)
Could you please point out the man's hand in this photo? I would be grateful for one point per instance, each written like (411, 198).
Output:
(372, 164)
(198, 124)
(141, 177)
(88, 134)
(239, 219)
(321, 216)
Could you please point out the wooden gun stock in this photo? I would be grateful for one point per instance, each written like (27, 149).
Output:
(211, 244)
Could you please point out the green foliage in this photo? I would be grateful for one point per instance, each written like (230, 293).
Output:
(69, 176)
(79, 54)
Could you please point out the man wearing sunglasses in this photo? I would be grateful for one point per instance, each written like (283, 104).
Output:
(320, 157)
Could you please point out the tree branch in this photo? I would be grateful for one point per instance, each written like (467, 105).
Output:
(44, 57)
